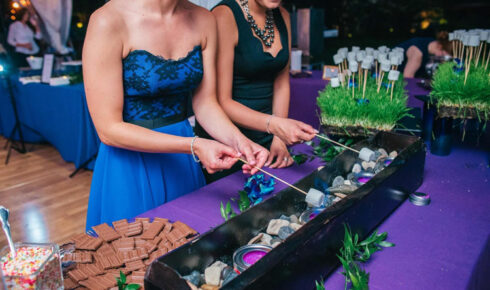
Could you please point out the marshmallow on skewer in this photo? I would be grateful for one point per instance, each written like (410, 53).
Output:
(366, 64)
(451, 36)
(474, 40)
(355, 48)
(315, 198)
(353, 66)
(385, 66)
(393, 75)
(337, 59)
(335, 82)
(367, 154)
(360, 55)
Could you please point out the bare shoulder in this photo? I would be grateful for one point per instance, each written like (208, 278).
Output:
(414, 52)
(223, 12)
(284, 13)
(106, 19)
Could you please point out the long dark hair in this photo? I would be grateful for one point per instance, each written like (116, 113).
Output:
(21, 13)
(443, 38)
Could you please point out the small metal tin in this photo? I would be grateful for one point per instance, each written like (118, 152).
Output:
(248, 255)
(419, 198)
(387, 161)
(363, 177)
(310, 214)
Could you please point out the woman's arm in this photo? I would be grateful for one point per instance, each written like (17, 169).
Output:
(205, 104)
(414, 61)
(102, 69)
(11, 35)
(288, 130)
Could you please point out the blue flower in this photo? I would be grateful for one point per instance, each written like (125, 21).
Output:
(257, 186)
(386, 85)
(352, 83)
(361, 102)
(458, 66)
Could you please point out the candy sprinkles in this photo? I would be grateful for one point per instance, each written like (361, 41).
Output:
(33, 267)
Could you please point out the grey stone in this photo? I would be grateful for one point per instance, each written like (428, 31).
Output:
(383, 152)
(356, 168)
(195, 280)
(347, 182)
(275, 244)
(343, 189)
(294, 219)
(352, 175)
(377, 154)
(378, 167)
(286, 218)
(370, 170)
(226, 272)
(393, 154)
(275, 225)
(285, 232)
(275, 240)
(255, 239)
(266, 240)
(229, 277)
(295, 226)
(337, 181)
(364, 165)
(212, 274)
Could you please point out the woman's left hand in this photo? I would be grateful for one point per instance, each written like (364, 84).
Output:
(280, 153)
(253, 153)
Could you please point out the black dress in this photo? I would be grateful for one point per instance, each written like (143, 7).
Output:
(254, 72)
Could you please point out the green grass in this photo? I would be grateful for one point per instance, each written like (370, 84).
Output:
(339, 109)
(448, 88)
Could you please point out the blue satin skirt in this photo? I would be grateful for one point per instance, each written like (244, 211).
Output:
(127, 183)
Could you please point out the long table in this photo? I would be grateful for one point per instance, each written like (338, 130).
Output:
(445, 245)
(57, 115)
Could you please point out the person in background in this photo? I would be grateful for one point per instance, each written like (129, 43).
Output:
(21, 36)
(142, 61)
(418, 51)
(253, 76)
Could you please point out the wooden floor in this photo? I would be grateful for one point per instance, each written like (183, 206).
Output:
(45, 204)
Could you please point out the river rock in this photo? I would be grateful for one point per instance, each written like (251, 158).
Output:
(286, 218)
(229, 277)
(345, 189)
(212, 273)
(255, 239)
(275, 244)
(383, 152)
(293, 219)
(393, 154)
(337, 181)
(295, 226)
(351, 176)
(209, 287)
(356, 168)
(194, 278)
(285, 232)
(275, 225)
(266, 240)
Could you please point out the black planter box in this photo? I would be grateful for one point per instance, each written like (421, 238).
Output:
(310, 252)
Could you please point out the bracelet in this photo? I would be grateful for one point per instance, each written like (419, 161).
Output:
(192, 150)
(268, 124)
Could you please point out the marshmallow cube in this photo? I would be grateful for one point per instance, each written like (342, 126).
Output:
(385, 66)
(474, 40)
(337, 59)
(353, 66)
(393, 75)
(366, 154)
(451, 36)
(366, 64)
(394, 59)
(360, 55)
(484, 35)
(355, 48)
(315, 198)
(335, 82)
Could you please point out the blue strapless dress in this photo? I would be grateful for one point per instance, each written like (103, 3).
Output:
(157, 95)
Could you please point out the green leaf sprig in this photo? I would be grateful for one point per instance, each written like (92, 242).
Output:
(326, 151)
(354, 252)
(227, 212)
(121, 283)
(300, 158)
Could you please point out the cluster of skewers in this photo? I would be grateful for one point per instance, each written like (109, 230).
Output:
(461, 88)
(368, 84)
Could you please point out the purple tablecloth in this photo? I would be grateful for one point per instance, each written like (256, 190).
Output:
(445, 245)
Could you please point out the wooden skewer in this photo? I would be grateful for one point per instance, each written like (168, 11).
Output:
(272, 175)
(392, 86)
(380, 80)
(364, 88)
(336, 143)
(354, 82)
(338, 194)
(468, 66)
(478, 53)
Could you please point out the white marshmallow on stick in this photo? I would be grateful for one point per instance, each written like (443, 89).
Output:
(366, 154)
(335, 82)
(315, 198)
(385, 67)
(353, 67)
(366, 65)
(393, 77)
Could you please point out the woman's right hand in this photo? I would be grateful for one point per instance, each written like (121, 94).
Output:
(215, 156)
(291, 131)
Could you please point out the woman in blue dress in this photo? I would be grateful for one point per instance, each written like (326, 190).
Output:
(142, 60)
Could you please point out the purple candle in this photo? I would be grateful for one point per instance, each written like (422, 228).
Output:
(363, 179)
(313, 215)
(252, 257)
(388, 162)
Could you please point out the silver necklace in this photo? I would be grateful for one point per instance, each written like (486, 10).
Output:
(266, 34)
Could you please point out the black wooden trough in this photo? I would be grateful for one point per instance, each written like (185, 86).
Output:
(310, 252)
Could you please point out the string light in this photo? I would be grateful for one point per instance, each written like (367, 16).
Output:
(79, 25)
(15, 5)
(12, 18)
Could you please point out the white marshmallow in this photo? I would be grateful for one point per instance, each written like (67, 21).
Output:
(393, 75)
(353, 66)
(335, 82)
(355, 48)
(451, 36)
(394, 59)
(474, 40)
(337, 59)
(366, 64)
(360, 55)
(315, 198)
(385, 66)
(366, 154)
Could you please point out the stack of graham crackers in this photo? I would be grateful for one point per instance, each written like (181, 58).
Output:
(128, 247)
